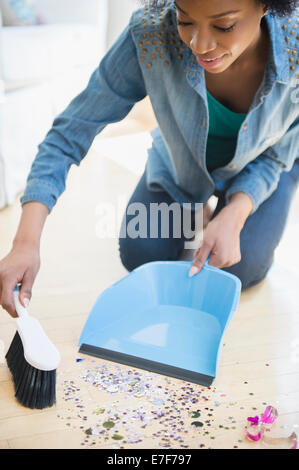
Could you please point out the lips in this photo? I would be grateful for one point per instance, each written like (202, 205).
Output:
(208, 64)
(209, 59)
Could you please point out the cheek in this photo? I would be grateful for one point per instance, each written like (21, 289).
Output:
(243, 37)
(234, 43)
(239, 45)
(235, 46)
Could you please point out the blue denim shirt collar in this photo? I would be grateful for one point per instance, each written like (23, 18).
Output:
(278, 50)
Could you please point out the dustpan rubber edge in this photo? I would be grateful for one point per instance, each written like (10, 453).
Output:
(152, 366)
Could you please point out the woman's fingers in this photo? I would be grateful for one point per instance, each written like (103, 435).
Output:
(26, 288)
(196, 252)
(201, 258)
(7, 300)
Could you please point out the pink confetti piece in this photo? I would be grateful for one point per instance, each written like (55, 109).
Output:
(254, 421)
(257, 428)
(255, 437)
(270, 415)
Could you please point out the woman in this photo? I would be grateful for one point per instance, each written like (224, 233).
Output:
(221, 76)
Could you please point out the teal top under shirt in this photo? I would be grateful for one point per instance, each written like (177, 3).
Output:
(223, 132)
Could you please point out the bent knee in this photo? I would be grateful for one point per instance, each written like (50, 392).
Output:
(250, 271)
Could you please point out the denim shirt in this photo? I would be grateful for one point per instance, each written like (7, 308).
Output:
(149, 58)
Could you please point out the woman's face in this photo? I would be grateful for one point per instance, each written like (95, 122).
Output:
(225, 29)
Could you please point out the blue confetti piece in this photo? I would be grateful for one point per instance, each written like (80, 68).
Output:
(80, 360)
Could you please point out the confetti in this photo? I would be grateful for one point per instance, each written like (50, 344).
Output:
(99, 411)
(157, 401)
(138, 405)
(117, 437)
(197, 424)
(195, 414)
(112, 389)
(258, 427)
(90, 378)
(108, 424)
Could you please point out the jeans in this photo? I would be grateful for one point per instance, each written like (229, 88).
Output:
(259, 237)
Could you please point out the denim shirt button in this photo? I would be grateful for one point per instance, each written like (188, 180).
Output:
(232, 167)
(245, 127)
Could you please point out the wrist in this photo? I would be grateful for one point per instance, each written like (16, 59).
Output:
(240, 206)
(31, 224)
(26, 242)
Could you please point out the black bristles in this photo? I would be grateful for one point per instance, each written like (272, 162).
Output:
(34, 388)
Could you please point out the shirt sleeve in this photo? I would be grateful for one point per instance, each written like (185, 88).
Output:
(114, 87)
(260, 178)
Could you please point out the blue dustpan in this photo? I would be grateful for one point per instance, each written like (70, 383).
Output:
(159, 319)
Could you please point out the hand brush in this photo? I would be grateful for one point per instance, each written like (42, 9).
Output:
(32, 359)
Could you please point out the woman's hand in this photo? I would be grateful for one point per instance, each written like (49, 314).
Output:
(21, 265)
(222, 235)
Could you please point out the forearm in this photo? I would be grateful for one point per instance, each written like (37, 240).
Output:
(31, 224)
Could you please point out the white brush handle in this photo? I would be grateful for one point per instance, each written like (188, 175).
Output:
(39, 351)
(21, 311)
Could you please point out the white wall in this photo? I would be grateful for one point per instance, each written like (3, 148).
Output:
(119, 15)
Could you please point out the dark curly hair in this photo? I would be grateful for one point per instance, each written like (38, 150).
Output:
(276, 7)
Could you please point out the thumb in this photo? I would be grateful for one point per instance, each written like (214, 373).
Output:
(26, 290)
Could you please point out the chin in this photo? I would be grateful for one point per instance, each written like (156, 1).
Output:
(219, 70)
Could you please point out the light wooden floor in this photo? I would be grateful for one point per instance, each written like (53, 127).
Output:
(259, 363)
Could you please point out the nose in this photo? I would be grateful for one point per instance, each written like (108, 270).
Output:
(202, 43)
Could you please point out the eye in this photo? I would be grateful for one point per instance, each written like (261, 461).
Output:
(182, 23)
(223, 30)
(226, 30)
